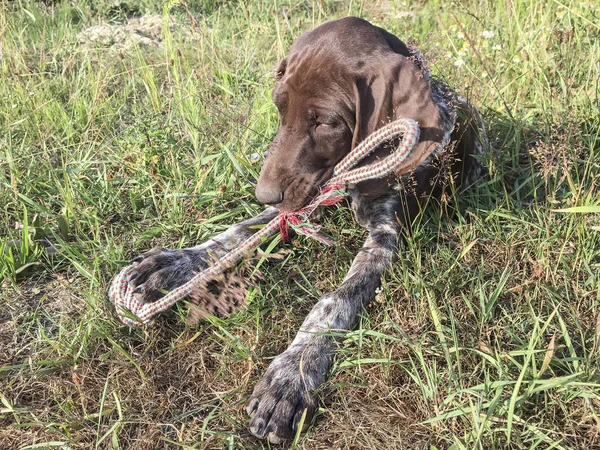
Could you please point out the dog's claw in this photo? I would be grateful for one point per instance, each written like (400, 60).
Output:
(252, 407)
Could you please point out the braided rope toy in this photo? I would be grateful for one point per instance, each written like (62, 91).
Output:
(132, 312)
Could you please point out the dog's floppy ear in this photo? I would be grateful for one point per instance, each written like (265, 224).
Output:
(394, 87)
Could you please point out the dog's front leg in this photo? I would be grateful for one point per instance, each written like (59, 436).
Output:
(288, 387)
(161, 270)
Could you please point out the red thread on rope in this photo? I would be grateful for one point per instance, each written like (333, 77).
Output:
(298, 219)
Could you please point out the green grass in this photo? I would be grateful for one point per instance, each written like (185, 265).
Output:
(487, 330)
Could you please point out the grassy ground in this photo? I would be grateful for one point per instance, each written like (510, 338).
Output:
(486, 333)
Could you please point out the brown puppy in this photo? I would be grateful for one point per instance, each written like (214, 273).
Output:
(339, 83)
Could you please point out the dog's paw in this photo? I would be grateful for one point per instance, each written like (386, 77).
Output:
(280, 399)
(159, 270)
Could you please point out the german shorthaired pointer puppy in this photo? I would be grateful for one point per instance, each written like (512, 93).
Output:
(339, 83)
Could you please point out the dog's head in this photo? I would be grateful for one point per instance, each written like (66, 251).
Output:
(339, 83)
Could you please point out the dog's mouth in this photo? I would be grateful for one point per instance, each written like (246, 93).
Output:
(299, 199)
(301, 193)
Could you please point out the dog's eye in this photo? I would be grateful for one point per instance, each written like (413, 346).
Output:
(324, 126)
(323, 122)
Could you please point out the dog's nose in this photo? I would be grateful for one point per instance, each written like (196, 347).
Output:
(269, 195)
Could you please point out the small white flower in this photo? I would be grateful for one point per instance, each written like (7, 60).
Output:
(14, 105)
(487, 34)
(448, 55)
(484, 74)
(461, 53)
(516, 59)
(459, 62)
(497, 47)
(460, 35)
